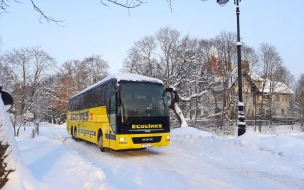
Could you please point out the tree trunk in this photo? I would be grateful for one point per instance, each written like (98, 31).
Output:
(179, 114)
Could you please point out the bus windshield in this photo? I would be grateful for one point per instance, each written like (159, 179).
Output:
(143, 99)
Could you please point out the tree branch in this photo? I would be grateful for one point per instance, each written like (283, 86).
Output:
(42, 15)
(128, 5)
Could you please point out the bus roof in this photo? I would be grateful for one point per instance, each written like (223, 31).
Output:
(123, 77)
(132, 77)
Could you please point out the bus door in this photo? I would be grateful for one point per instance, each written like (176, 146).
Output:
(112, 117)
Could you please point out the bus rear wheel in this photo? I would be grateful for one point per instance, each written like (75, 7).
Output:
(100, 143)
(75, 134)
(72, 132)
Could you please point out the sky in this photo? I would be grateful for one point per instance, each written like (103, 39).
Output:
(91, 28)
(194, 160)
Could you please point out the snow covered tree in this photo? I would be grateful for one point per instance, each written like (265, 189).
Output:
(72, 77)
(26, 68)
(270, 63)
(175, 60)
(194, 82)
(224, 68)
(156, 57)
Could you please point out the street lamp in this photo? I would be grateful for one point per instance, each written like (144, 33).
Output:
(241, 115)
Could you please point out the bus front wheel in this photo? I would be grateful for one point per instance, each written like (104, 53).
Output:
(100, 143)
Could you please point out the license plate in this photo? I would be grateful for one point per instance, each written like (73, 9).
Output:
(146, 145)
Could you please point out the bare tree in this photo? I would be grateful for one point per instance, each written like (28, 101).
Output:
(168, 40)
(97, 68)
(130, 63)
(72, 77)
(26, 68)
(63, 91)
(282, 74)
(153, 56)
(225, 67)
(300, 90)
(44, 106)
(193, 82)
(141, 58)
(299, 100)
(76, 70)
(270, 62)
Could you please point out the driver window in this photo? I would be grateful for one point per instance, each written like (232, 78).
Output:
(113, 113)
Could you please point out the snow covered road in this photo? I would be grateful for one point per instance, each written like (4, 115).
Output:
(174, 168)
(194, 160)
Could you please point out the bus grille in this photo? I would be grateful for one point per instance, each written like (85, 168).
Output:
(139, 140)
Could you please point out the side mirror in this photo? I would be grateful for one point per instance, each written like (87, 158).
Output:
(169, 89)
(7, 99)
(176, 97)
(117, 95)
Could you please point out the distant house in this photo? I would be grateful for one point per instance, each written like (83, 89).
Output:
(263, 98)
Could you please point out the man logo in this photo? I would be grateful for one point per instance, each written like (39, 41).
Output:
(147, 139)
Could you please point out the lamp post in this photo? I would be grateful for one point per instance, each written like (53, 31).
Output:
(241, 115)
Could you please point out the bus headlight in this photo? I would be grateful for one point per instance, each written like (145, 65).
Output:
(167, 138)
(122, 139)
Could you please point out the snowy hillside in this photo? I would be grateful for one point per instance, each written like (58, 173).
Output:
(194, 160)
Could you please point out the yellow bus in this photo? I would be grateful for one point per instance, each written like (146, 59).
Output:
(122, 111)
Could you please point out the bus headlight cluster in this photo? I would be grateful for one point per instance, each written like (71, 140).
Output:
(122, 139)
(167, 138)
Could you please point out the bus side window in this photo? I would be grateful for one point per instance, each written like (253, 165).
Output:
(113, 112)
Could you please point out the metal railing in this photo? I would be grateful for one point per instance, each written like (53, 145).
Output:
(229, 127)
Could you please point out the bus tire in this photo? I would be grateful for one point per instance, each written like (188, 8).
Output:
(72, 132)
(75, 134)
(100, 143)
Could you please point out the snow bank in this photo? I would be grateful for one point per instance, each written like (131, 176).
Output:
(280, 152)
(52, 165)
(22, 177)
